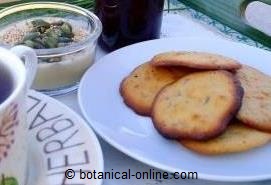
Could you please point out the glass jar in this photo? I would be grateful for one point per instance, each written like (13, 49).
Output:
(61, 68)
(129, 21)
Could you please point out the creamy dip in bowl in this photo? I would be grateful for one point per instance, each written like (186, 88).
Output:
(62, 60)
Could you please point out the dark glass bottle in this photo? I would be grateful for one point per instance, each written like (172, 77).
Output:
(129, 21)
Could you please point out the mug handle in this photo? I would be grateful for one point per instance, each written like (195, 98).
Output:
(29, 57)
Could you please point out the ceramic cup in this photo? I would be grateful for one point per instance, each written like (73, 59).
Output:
(17, 70)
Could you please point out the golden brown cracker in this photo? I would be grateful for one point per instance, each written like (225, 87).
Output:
(198, 106)
(236, 138)
(142, 85)
(256, 106)
(199, 60)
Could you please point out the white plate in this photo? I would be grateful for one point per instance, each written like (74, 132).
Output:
(135, 135)
(59, 140)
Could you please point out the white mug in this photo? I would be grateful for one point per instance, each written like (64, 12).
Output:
(17, 70)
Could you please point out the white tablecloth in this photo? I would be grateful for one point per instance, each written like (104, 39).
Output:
(173, 26)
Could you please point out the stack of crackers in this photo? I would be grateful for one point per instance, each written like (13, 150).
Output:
(210, 103)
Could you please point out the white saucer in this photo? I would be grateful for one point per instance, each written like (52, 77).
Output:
(74, 146)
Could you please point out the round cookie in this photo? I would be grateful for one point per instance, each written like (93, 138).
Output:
(199, 60)
(143, 84)
(236, 138)
(198, 106)
(256, 106)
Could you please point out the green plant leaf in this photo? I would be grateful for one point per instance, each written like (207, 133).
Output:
(230, 13)
(9, 181)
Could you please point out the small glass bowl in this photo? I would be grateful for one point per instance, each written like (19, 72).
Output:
(60, 69)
